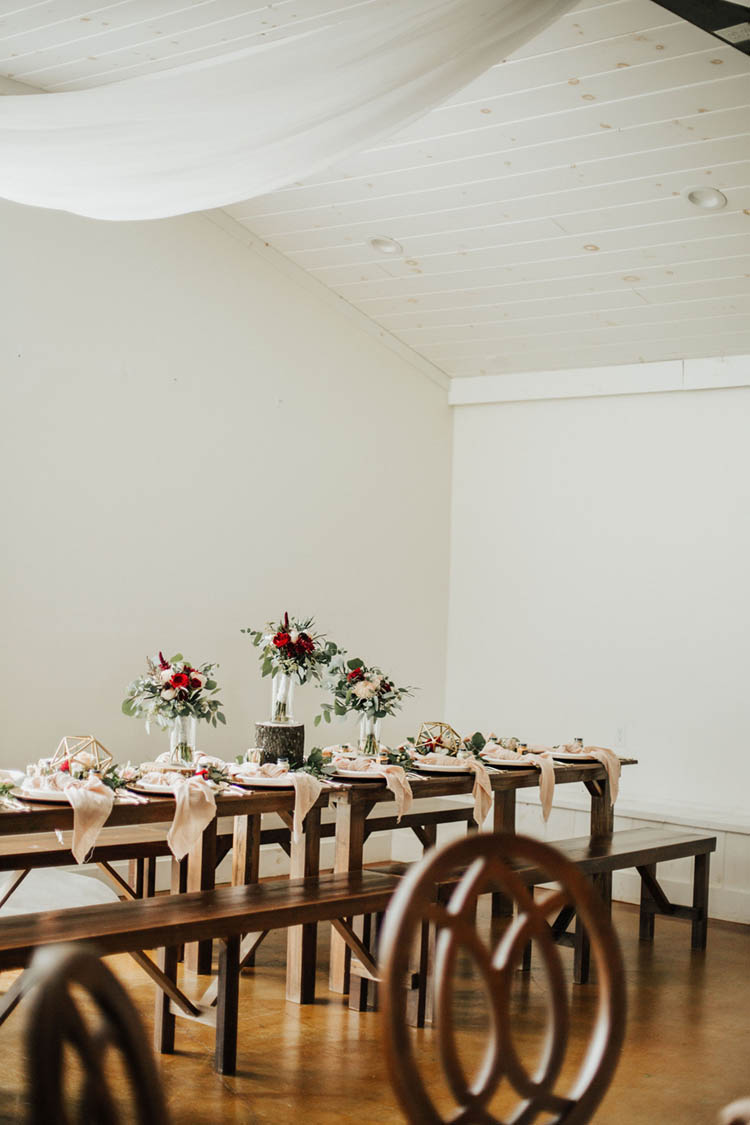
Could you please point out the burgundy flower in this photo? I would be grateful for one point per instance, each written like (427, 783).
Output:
(305, 643)
(162, 662)
(281, 640)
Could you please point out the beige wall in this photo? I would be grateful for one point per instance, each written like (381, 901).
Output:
(192, 441)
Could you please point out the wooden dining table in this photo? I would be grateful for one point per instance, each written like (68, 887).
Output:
(353, 805)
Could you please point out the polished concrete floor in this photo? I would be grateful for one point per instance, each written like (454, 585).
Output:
(687, 1050)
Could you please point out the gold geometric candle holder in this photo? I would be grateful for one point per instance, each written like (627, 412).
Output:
(438, 736)
(85, 750)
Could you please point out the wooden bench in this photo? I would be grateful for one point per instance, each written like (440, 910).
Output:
(168, 921)
(643, 849)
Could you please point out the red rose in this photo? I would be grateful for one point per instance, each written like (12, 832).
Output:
(64, 766)
(179, 681)
(201, 773)
(357, 674)
(194, 684)
(281, 640)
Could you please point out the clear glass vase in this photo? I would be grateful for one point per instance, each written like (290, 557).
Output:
(369, 735)
(282, 698)
(183, 739)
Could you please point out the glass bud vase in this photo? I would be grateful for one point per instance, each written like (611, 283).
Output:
(183, 739)
(282, 698)
(369, 735)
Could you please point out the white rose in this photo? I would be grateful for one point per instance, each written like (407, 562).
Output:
(165, 674)
(168, 693)
(294, 636)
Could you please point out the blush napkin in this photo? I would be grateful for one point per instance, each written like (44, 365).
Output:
(395, 779)
(482, 790)
(537, 757)
(195, 808)
(602, 754)
(92, 802)
(307, 788)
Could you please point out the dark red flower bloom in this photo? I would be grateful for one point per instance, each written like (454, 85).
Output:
(355, 675)
(65, 766)
(305, 643)
(281, 640)
(179, 681)
(162, 662)
(194, 684)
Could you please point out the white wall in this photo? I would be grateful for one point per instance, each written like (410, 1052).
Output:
(599, 588)
(192, 442)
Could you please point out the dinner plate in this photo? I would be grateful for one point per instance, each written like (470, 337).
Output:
(153, 790)
(282, 782)
(500, 763)
(458, 768)
(358, 775)
(41, 796)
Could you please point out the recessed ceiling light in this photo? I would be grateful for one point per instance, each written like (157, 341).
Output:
(708, 198)
(385, 245)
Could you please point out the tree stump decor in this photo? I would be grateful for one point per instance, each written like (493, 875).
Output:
(281, 740)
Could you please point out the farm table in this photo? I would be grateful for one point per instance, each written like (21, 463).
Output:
(354, 804)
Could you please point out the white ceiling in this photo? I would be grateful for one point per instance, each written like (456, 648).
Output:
(541, 211)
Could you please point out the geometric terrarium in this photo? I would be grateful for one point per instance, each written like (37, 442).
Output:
(83, 750)
(438, 736)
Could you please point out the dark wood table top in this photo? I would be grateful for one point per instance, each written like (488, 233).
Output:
(160, 810)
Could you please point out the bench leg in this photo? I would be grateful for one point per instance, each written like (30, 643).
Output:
(420, 982)
(646, 924)
(225, 1059)
(136, 880)
(581, 954)
(362, 992)
(164, 1020)
(503, 820)
(701, 873)
(151, 876)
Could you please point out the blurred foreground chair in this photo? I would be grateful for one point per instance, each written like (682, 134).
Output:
(443, 890)
(738, 1113)
(93, 1023)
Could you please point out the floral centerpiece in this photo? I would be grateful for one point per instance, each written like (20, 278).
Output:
(175, 695)
(369, 692)
(291, 652)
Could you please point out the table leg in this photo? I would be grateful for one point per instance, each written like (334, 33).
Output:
(246, 859)
(201, 877)
(302, 941)
(602, 824)
(350, 839)
(503, 820)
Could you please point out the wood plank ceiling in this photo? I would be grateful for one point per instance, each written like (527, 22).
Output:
(542, 212)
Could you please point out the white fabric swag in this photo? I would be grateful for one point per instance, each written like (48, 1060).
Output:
(214, 132)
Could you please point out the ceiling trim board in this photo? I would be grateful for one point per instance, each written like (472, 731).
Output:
(322, 293)
(717, 373)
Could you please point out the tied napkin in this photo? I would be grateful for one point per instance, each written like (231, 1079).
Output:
(92, 802)
(395, 779)
(195, 808)
(482, 790)
(307, 789)
(602, 754)
(539, 757)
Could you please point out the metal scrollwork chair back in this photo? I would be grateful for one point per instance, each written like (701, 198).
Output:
(90, 1022)
(472, 866)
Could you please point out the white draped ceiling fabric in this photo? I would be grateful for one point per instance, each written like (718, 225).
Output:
(214, 132)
